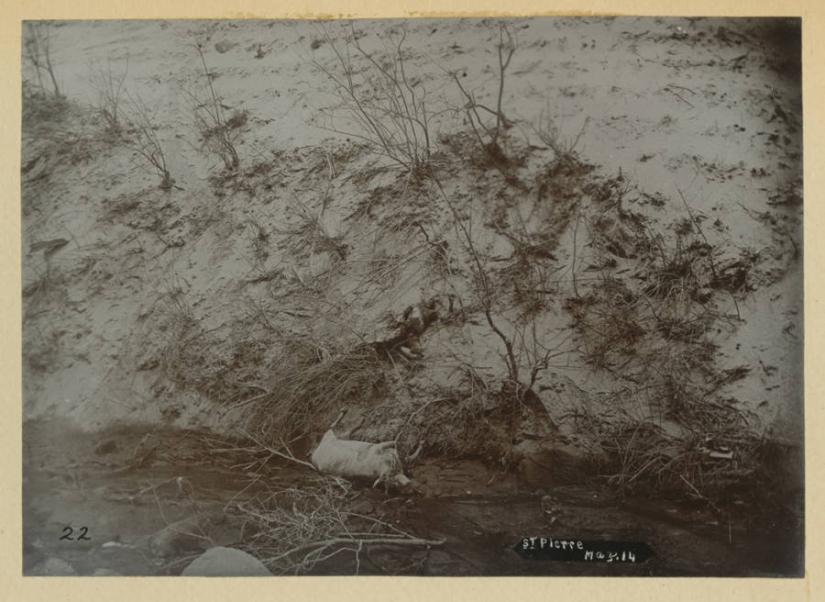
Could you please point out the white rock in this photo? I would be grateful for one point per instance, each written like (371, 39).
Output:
(105, 573)
(225, 562)
(185, 536)
(54, 566)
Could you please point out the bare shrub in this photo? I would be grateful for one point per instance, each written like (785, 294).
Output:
(548, 132)
(109, 85)
(387, 103)
(482, 283)
(37, 51)
(486, 133)
(518, 350)
(219, 133)
(146, 142)
(530, 269)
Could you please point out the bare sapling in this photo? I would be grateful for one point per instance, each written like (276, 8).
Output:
(146, 142)
(506, 49)
(523, 347)
(488, 135)
(218, 133)
(484, 287)
(548, 132)
(110, 88)
(37, 50)
(386, 102)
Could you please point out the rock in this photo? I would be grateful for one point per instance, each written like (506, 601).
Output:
(224, 46)
(105, 573)
(48, 246)
(107, 447)
(31, 560)
(53, 566)
(225, 562)
(58, 566)
(545, 464)
(571, 462)
(32, 555)
(536, 464)
(184, 536)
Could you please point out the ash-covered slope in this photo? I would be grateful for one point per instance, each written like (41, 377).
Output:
(605, 213)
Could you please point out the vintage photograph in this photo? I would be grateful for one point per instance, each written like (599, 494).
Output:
(435, 297)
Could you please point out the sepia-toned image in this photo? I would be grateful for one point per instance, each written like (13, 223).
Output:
(434, 297)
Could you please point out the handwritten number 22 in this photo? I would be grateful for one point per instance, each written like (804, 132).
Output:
(67, 534)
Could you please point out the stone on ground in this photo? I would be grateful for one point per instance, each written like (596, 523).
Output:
(225, 562)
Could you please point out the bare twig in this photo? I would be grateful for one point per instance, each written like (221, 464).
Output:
(274, 452)
(699, 229)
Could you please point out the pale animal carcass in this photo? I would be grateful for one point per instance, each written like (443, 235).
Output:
(354, 459)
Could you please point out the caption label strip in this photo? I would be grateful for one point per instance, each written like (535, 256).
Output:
(576, 550)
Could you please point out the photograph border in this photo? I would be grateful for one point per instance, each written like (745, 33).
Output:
(17, 587)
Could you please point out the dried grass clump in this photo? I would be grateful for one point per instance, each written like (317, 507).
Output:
(308, 386)
(307, 233)
(714, 465)
(630, 326)
(608, 322)
(40, 108)
(451, 421)
(472, 420)
(656, 334)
